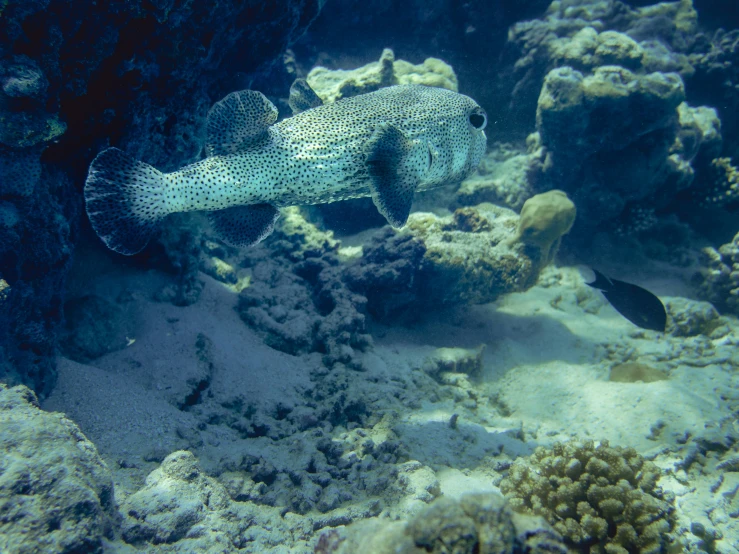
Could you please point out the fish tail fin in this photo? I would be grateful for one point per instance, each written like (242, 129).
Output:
(601, 281)
(125, 200)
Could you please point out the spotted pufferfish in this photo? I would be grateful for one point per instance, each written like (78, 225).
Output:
(385, 144)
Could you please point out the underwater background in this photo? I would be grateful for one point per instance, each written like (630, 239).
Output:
(343, 386)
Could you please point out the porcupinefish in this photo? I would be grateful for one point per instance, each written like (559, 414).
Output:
(641, 307)
(385, 144)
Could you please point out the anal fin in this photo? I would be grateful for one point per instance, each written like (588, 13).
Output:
(302, 97)
(394, 171)
(244, 225)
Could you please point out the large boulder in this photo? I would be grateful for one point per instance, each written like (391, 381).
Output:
(56, 493)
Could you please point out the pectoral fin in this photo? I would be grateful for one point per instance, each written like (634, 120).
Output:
(238, 121)
(394, 171)
(302, 97)
(245, 225)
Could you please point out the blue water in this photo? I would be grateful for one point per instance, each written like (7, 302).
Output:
(343, 384)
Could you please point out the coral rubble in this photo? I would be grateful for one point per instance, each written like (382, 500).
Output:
(474, 524)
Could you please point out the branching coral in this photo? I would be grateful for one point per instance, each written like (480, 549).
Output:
(603, 498)
(723, 184)
(718, 281)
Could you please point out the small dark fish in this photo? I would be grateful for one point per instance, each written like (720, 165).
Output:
(638, 305)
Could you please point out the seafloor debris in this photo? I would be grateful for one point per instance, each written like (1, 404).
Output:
(477, 523)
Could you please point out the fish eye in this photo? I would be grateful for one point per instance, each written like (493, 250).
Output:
(478, 118)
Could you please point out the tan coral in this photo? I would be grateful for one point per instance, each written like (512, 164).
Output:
(335, 84)
(603, 498)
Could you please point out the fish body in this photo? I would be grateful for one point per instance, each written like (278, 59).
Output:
(641, 307)
(385, 144)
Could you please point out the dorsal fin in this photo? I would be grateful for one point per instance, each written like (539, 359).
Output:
(393, 164)
(302, 97)
(239, 120)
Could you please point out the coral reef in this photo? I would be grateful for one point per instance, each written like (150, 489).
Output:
(177, 496)
(476, 523)
(56, 493)
(455, 360)
(631, 143)
(716, 80)
(718, 280)
(182, 509)
(689, 318)
(332, 85)
(466, 258)
(599, 497)
(106, 77)
(588, 35)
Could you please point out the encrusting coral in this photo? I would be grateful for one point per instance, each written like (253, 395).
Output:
(332, 85)
(599, 497)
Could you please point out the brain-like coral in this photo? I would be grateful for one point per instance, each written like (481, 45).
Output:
(545, 218)
(599, 497)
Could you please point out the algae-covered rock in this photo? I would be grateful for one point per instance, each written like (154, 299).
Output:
(600, 498)
(177, 496)
(23, 103)
(56, 493)
(631, 372)
(689, 318)
(332, 85)
(476, 523)
(588, 34)
(619, 143)
(578, 115)
(501, 178)
(94, 326)
(436, 262)
(544, 219)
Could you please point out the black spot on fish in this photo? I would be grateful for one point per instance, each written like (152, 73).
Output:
(638, 305)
